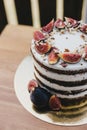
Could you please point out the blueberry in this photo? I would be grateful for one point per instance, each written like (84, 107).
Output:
(40, 97)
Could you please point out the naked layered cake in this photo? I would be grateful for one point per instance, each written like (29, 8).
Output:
(59, 52)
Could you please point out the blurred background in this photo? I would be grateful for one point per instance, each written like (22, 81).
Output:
(37, 13)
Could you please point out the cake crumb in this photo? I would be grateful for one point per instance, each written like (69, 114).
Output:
(43, 56)
(81, 64)
(82, 36)
(52, 38)
(63, 64)
(62, 32)
(66, 50)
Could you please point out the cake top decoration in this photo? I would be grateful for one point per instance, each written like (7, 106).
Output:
(65, 40)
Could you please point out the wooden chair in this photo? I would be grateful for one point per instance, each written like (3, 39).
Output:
(84, 11)
(11, 13)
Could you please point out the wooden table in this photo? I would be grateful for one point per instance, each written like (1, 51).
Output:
(14, 46)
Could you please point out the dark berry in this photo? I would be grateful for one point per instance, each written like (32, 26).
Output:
(40, 97)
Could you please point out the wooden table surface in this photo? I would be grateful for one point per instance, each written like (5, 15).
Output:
(14, 46)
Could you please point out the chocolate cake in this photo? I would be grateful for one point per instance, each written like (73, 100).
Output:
(59, 52)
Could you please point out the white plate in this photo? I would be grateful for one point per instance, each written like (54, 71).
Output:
(23, 74)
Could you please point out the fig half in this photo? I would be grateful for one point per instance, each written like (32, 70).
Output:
(38, 36)
(54, 103)
(70, 57)
(59, 24)
(85, 53)
(84, 28)
(32, 85)
(48, 27)
(53, 56)
(42, 48)
(71, 22)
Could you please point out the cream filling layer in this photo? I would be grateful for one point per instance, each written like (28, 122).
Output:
(57, 87)
(61, 77)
